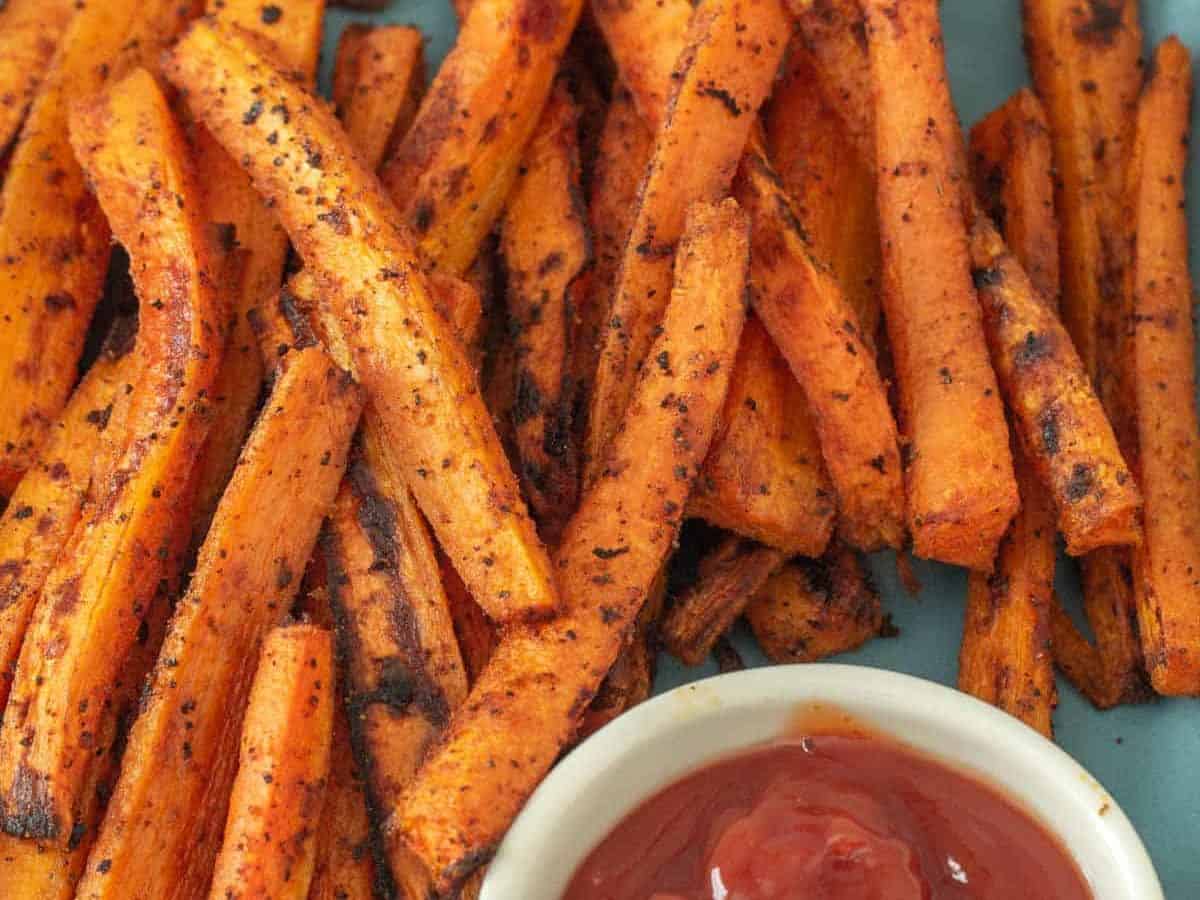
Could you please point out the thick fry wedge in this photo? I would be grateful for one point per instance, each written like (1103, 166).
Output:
(1084, 60)
(763, 477)
(421, 384)
(545, 246)
(93, 601)
(249, 233)
(831, 185)
(54, 241)
(452, 172)
(646, 41)
(1012, 161)
(1057, 416)
(834, 32)
(961, 490)
(378, 80)
(718, 87)
(29, 34)
(815, 608)
(804, 310)
(1166, 581)
(163, 826)
(527, 704)
(275, 806)
(729, 577)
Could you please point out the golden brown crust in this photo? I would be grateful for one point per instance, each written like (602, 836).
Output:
(645, 40)
(29, 34)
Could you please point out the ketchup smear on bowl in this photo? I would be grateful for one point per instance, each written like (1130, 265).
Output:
(829, 817)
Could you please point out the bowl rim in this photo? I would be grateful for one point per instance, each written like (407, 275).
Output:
(912, 710)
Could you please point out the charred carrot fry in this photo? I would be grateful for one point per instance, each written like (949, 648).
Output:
(1166, 583)
(961, 490)
(29, 34)
(470, 789)
(421, 385)
(275, 806)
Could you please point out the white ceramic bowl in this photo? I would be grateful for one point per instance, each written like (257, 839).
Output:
(609, 774)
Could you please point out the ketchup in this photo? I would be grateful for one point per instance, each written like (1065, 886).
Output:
(828, 817)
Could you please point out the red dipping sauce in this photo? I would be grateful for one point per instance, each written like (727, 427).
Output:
(829, 817)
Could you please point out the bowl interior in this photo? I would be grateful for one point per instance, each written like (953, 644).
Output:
(608, 775)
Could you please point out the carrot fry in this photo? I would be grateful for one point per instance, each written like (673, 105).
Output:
(718, 88)
(375, 296)
(729, 577)
(803, 308)
(1056, 414)
(815, 608)
(763, 478)
(1163, 373)
(961, 490)
(452, 172)
(277, 797)
(163, 826)
(29, 34)
(545, 245)
(831, 184)
(94, 599)
(54, 241)
(527, 704)
(378, 80)
(646, 41)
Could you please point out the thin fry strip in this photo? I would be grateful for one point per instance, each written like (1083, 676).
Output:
(803, 308)
(477, 637)
(763, 477)
(815, 608)
(275, 804)
(527, 704)
(960, 485)
(54, 241)
(729, 577)
(378, 80)
(421, 385)
(545, 245)
(718, 89)
(452, 172)
(93, 601)
(163, 827)
(29, 34)
(1058, 418)
(1166, 583)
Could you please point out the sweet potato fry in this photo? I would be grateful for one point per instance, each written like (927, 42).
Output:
(831, 184)
(378, 80)
(250, 234)
(94, 599)
(1057, 416)
(29, 33)
(1084, 60)
(275, 805)
(163, 826)
(1163, 372)
(815, 608)
(477, 637)
(527, 704)
(376, 297)
(718, 86)
(545, 245)
(646, 41)
(729, 577)
(54, 241)
(961, 490)
(804, 310)
(763, 477)
(452, 172)
(1012, 161)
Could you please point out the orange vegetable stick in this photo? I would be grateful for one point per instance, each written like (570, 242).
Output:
(29, 34)
(377, 299)
(646, 41)
(527, 704)
(961, 490)
(1166, 581)
(276, 802)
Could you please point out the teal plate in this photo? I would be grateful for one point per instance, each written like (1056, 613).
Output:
(1148, 757)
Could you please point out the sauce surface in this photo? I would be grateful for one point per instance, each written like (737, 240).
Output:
(829, 817)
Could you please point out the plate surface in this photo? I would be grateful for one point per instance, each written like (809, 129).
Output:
(1145, 756)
